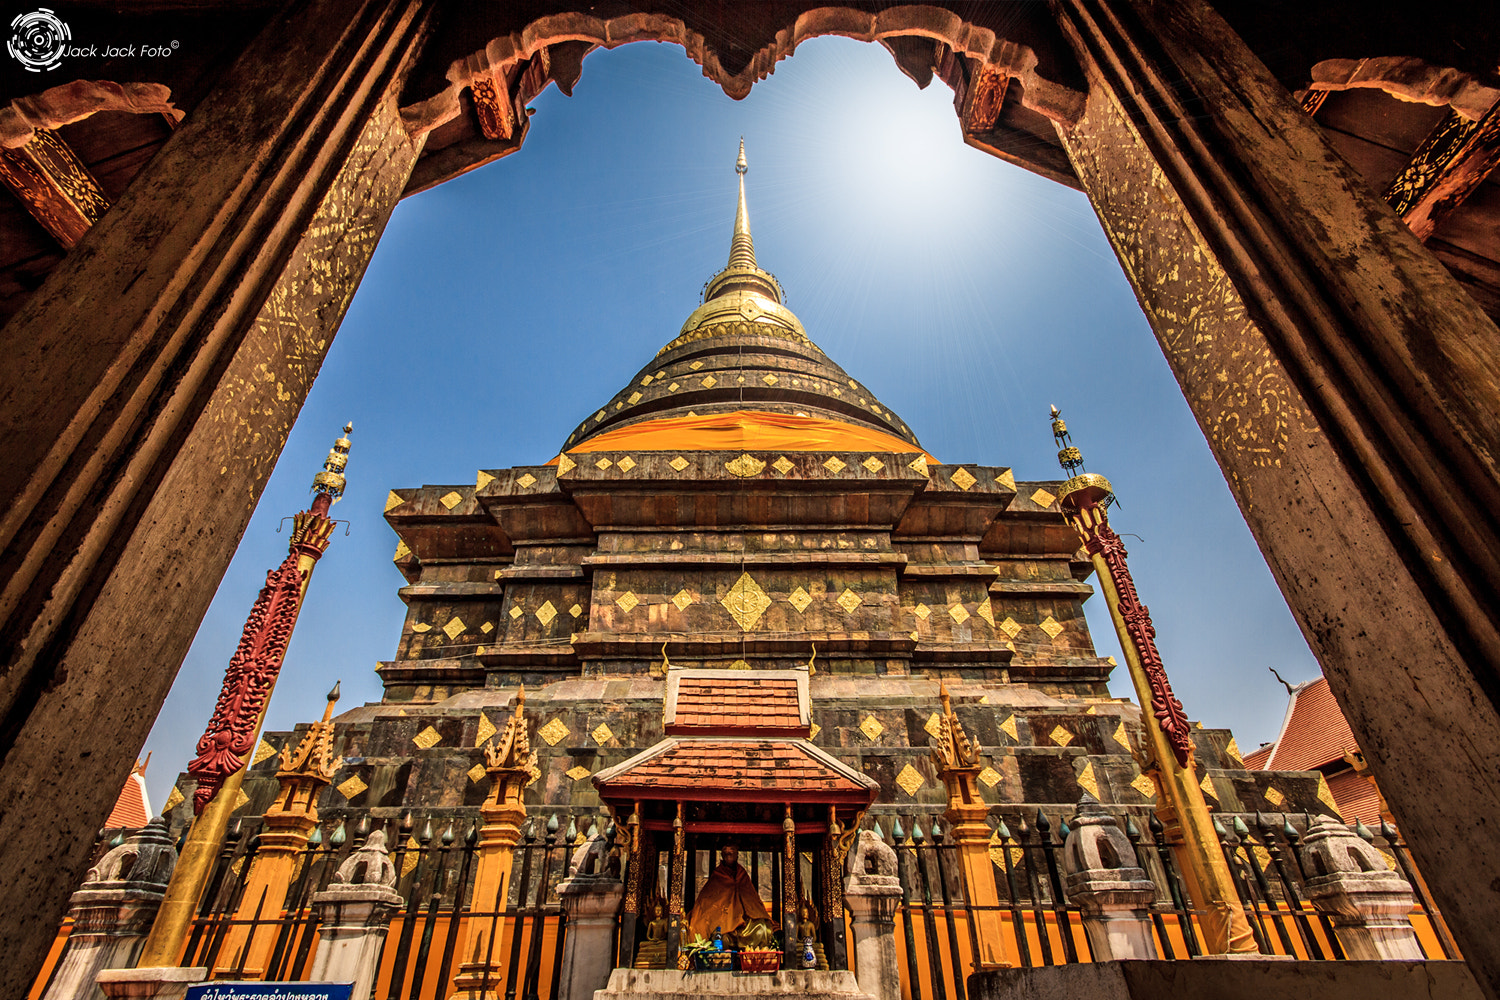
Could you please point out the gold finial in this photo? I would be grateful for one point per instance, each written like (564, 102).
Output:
(331, 480)
(333, 698)
(740, 166)
(514, 751)
(741, 247)
(1071, 459)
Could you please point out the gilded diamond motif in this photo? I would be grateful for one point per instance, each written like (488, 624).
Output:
(1087, 781)
(516, 612)
(909, 780)
(454, 628)
(1145, 786)
(627, 601)
(709, 382)
(768, 379)
(963, 478)
(1042, 498)
(1122, 737)
(985, 611)
(546, 613)
(673, 387)
(848, 600)
(578, 772)
(990, 777)
(602, 734)
(1008, 727)
(1060, 736)
(871, 727)
(739, 665)
(392, 501)
(627, 463)
(782, 465)
(174, 800)
(834, 465)
(813, 731)
(262, 751)
(487, 628)
(919, 465)
(401, 552)
(451, 499)
(958, 613)
(799, 599)
(553, 732)
(575, 610)
(682, 599)
(351, 786)
(1050, 626)
(1207, 784)
(696, 365)
(934, 726)
(746, 602)
(745, 466)
(486, 730)
(527, 480)
(635, 397)
(1233, 750)
(603, 464)
(1010, 627)
(1274, 797)
(427, 738)
(1006, 479)
(420, 627)
(678, 464)
(1326, 797)
(565, 465)
(476, 772)
(482, 479)
(873, 464)
(921, 611)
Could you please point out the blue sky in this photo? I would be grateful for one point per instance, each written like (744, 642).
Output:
(505, 305)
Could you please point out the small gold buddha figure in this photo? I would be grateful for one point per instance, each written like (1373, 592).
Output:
(656, 927)
(727, 899)
(652, 952)
(807, 920)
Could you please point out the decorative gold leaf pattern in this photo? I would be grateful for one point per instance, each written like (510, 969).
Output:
(934, 725)
(1060, 736)
(603, 464)
(709, 382)
(565, 465)
(1326, 797)
(485, 731)
(420, 627)
(813, 731)
(451, 499)
(262, 751)
(552, 732)
(627, 601)
(799, 599)
(768, 379)
(546, 613)
(626, 464)
(526, 481)
(990, 777)
(910, 780)
(872, 728)
(918, 465)
(635, 397)
(1010, 627)
(1122, 737)
(1233, 752)
(921, 611)
(482, 479)
(745, 466)
(427, 738)
(1008, 727)
(516, 612)
(454, 628)
(1087, 781)
(602, 734)
(678, 464)
(746, 602)
(578, 772)
(487, 628)
(985, 611)
(682, 599)
(1145, 786)
(241, 800)
(835, 465)
(1042, 498)
(392, 501)
(696, 365)
(1274, 796)
(476, 772)
(739, 665)
(848, 600)
(963, 478)
(1050, 626)
(958, 613)
(351, 786)
(575, 610)
(175, 798)
(401, 551)
(873, 464)
(1207, 784)
(782, 465)
(1006, 479)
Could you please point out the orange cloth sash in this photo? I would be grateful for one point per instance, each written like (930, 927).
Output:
(747, 430)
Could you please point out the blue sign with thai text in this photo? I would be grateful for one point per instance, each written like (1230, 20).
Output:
(270, 991)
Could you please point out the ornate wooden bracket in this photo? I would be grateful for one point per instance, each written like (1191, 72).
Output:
(54, 185)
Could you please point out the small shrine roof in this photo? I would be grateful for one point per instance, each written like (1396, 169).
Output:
(1313, 734)
(132, 809)
(763, 770)
(736, 703)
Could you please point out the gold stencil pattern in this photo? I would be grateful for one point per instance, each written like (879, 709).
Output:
(174, 799)
(1274, 797)
(746, 602)
(681, 600)
(1207, 784)
(351, 786)
(1060, 736)
(872, 728)
(745, 466)
(1233, 750)
(1326, 797)
(848, 600)
(813, 731)
(921, 611)
(910, 780)
(476, 772)
(1010, 627)
(527, 481)
(782, 465)
(603, 464)
(799, 599)
(768, 379)
(1006, 479)
(401, 552)
(627, 601)
(958, 613)
(421, 627)
(635, 397)
(454, 628)
(1144, 785)
(575, 610)
(985, 611)
(1050, 626)
(427, 738)
(1087, 781)
(262, 751)
(565, 465)
(1042, 498)
(485, 731)
(451, 499)
(578, 772)
(602, 734)
(835, 465)
(546, 613)
(918, 465)
(963, 478)
(1122, 737)
(392, 501)
(487, 628)
(482, 479)
(1008, 727)
(626, 464)
(552, 732)
(873, 464)
(934, 725)
(709, 382)
(989, 777)
(678, 464)
(516, 612)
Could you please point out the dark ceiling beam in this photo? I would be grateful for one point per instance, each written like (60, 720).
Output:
(54, 185)
(1447, 167)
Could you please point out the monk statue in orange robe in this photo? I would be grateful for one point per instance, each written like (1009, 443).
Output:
(727, 899)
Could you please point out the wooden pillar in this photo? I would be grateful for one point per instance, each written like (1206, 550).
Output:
(1349, 388)
(836, 845)
(791, 953)
(676, 914)
(630, 917)
(149, 385)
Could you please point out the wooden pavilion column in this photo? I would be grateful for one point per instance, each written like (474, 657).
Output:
(791, 951)
(148, 388)
(677, 877)
(1350, 390)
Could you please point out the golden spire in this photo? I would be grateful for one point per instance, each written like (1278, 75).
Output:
(741, 247)
(742, 273)
(331, 479)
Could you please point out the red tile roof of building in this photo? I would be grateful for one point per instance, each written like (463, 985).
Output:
(745, 769)
(1356, 797)
(1314, 732)
(1256, 760)
(132, 809)
(744, 704)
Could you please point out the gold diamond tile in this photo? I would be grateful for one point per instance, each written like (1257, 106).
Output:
(482, 479)
(412, 858)
(909, 780)
(984, 699)
(918, 465)
(646, 381)
(1010, 627)
(853, 384)
(963, 478)
(768, 379)
(478, 650)
(739, 665)
(635, 397)
(673, 387)
(678, 464)
(175, 798)
(837, 391)
(351, 786)
(985, 611)
(934, 726)
(915, 636)
(921, 611)
(421, 627)
(1087, 781)
(476, 772)
(454, 628)
(1060, 736)
(627, 601)
(578, 773)
(834, 465)
(1207, 784)
(602, 734)
(709, 382)
(546, 613)
(427, 738)
(262, 751)
(1050, 626)
(527, 481)
(401, 552)
(627, 463)
(958, 613)
(873, 464)
(1233, 750)
(799, 599)
(682, 599)
(990, 777)
(620, 405)
(871, 727)
(516, 612)
(1006, 479)
(241, 800)
(1008, 727)
(1274, 797)
(565, 465)
(1122, 737)
(1042, 498)
(599, 416)
(745, 466)
(848, 600)
(1145, 786)
(782, 465)
(552, 732)
(746, 602)
(451, 499)
(696, 365)
(575, 610)
(487, 628)
(1326, 797)
(661, 374)
(603, 464)
(485, 731)
(392, 501)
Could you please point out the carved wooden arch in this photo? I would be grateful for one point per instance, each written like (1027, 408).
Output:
(1409, 79)
(77, 100)
(502, 57)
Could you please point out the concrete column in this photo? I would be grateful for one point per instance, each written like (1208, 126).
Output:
(591, 903)
(112, 911)
(1369, 904)
(354, 913)
(1103, 881)
(872, 892)
(1348, 387)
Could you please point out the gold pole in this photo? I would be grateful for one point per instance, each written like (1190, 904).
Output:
(1084, 500)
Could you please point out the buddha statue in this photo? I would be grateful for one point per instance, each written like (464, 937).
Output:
(652, 952)
(727, 899)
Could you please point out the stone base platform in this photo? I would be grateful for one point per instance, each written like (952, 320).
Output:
(669, 984)
(1238, 979)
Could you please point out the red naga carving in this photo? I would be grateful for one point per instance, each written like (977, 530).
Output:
(1103, 541)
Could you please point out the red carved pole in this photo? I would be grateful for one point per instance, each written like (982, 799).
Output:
(219, 766)
(1085, 499)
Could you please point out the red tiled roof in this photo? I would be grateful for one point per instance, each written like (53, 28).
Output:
(1356, 797)
(1257, 760)
(132, 811)
(1314, 732)
(738, 704)
(756, 769)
